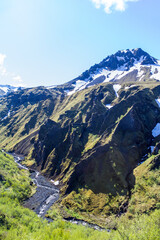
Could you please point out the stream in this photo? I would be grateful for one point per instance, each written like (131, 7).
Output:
(46, 192)
(45, 196)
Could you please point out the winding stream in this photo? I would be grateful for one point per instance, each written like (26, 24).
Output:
(46, 195)
(46, 192)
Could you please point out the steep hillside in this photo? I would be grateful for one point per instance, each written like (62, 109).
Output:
(145, 194)
(89, 141)
(92, 149)
(23, 112)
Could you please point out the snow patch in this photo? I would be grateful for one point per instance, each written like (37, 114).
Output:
(56, 183)
(8, 115)
(77, 87)
(5, 89)
(156, 130)
(130, 87)
(124, 51)
(8, 88)
(109, 106)
(120, 58)
(116, 88)
(156, 75)
(152, 148)
(155, 71)
(52, 86)
(158, 101)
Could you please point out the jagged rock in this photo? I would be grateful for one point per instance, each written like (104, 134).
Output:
(156, 149)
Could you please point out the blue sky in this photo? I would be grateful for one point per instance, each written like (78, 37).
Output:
(49, 42)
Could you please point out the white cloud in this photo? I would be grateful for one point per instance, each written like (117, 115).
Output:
(109, 5)
(17, 79)
(3, 70)
(7, 77)
(2, 57)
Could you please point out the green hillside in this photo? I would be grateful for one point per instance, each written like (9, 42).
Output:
(92, 150)
(17, 222)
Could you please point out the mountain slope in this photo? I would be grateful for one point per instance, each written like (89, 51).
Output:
(5, 89)
(96, 149)
(23, 112)
(89, 141)
(123, 66)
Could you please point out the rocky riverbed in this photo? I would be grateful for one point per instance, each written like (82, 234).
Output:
(46, 192)
(46, 195)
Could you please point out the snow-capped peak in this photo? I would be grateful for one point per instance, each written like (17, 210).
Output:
(128, 65)
(127, 58)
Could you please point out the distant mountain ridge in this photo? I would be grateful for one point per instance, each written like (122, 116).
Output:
(124, 66)
(4, 89)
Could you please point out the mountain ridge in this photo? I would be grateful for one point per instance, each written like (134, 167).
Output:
(123, 66)
(5, 89)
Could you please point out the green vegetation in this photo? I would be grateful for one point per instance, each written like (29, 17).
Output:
(92, 140)
(86, 205)
(146, 193)
(18, 223)
(14, 184)
(104, 209)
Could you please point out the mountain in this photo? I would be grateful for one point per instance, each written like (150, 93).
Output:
(123, 66)
(23, 112)
(5, 89)
(93, 142)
